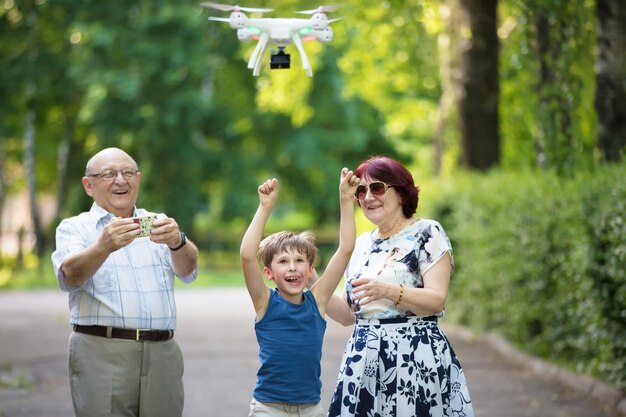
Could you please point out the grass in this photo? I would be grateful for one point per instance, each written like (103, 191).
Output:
(39, 274)
(217, 278)
(217, 269)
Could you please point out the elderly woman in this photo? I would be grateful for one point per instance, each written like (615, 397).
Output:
(398, 362)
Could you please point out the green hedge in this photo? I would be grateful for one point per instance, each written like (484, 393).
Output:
(541, 260)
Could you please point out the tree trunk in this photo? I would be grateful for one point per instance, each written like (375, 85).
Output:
(29, 164)
(63, 165)
(558, 146)
(610, 99)
(2, 188)
(448, 44)
(71, 105)
(479, 88)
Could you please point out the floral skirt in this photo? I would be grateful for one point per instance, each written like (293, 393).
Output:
(400, 367)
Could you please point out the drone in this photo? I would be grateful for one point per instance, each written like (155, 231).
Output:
(279, 31)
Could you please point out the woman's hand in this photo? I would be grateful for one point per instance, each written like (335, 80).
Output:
(366, 290)
(424, 301)
(347, 184)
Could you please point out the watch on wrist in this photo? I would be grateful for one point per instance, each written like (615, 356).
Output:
(183, 242)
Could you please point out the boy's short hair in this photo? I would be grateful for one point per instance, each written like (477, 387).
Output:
(303, 242)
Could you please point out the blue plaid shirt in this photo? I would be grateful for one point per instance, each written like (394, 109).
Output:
(134, 287)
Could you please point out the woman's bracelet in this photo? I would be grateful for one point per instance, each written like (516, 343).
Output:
(401, 293)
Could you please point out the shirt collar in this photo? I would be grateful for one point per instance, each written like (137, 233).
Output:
(101, 216)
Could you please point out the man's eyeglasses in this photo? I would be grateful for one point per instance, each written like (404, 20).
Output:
(377, 188)
(111, 174)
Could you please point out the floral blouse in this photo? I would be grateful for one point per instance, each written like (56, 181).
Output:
(402, 258)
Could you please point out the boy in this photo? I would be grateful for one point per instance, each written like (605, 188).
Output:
(290, 322)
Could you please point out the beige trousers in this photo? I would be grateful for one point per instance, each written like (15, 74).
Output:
(259, 409)
(125, 378)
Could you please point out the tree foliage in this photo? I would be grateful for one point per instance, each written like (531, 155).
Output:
(555, 285)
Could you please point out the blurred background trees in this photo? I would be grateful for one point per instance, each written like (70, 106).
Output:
(439, 85)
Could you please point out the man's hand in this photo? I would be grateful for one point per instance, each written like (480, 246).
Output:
(118, 233)
(165, 230)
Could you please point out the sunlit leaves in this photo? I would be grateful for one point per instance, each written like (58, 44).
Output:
(390, 61)
(287, 91)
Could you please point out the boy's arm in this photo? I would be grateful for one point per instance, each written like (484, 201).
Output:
(259, 292)
(325, 287)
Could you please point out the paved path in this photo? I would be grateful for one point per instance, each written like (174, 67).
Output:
(217, 339)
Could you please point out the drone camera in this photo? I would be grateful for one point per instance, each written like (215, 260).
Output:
(280, 60)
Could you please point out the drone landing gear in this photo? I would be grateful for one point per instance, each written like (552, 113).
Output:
(280, 60)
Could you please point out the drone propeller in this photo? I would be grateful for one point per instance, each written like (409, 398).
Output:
(229, 8)
(219, 19)
(321, 9)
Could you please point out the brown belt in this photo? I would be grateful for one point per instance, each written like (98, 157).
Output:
(139, 335)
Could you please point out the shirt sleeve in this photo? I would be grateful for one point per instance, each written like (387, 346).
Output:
(68, 240)
(436, 245)
(187, 279)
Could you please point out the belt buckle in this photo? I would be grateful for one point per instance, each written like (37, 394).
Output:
(138, 332)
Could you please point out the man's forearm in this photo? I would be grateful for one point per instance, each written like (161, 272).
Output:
(185, 260)
(78, 267)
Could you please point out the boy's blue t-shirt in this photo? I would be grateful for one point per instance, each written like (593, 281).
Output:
(290, 340)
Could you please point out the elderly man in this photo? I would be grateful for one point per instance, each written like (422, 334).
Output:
(123, 359)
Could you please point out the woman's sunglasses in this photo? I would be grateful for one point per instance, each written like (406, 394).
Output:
(376, 188)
